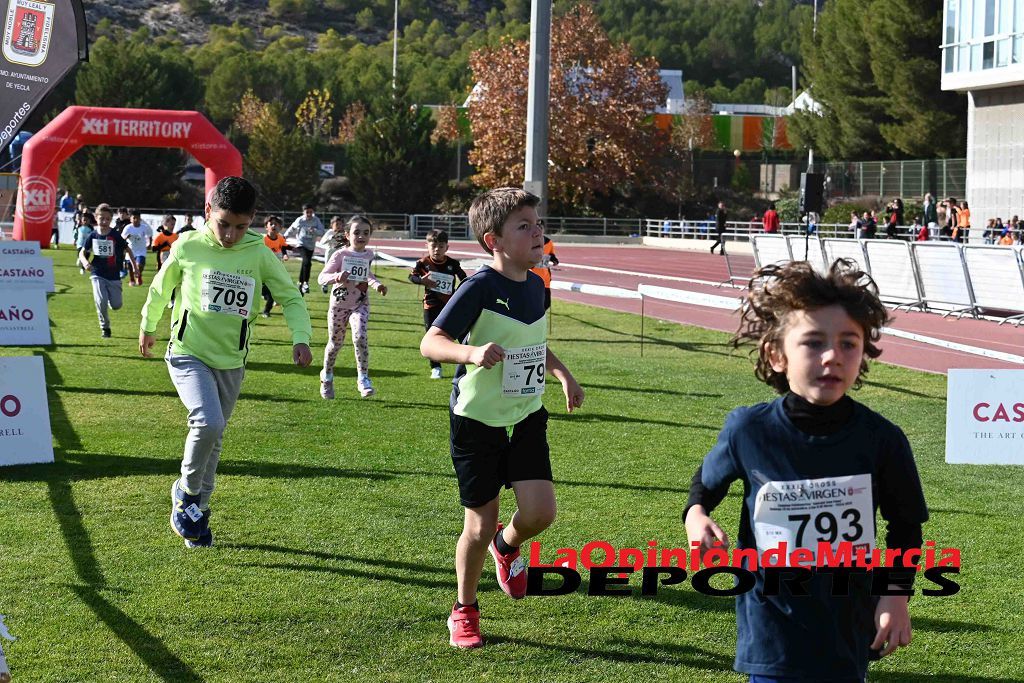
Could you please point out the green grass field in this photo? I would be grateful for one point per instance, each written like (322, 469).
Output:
(336, 521)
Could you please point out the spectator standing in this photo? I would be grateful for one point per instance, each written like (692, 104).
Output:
(951, 222)
(67, 202)
(931, 213)
(990, 234)
(771, 220)
(920, 230)
(963, 223)
(868, 225)
(306, 229)
(721, 216)
(856, 225)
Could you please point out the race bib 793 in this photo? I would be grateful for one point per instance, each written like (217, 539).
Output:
(805, 512)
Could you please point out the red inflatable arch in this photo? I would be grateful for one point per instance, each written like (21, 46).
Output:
(79, 126)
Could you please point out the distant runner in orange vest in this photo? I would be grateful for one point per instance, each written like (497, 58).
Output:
(544, 269)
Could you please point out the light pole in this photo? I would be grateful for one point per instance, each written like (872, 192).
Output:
(537, 109)
(394, 54)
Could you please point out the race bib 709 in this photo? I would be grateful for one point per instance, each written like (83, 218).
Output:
(228, 293)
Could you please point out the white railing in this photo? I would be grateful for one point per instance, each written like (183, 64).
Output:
(961, 279)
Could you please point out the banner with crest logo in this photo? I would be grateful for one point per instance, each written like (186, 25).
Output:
(42, 41)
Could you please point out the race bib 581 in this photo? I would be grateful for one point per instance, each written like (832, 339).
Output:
(228, 293)
(102, 247)
(805, 512)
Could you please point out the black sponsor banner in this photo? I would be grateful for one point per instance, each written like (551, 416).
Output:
(42, 40)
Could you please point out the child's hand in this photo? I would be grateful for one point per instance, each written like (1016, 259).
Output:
(284, 257)
(146, 342)
(341, 278)
(573, 394)
(382, 290)
(892, 619)
(301, 355)
(427, 282)
(700, 528)
(487, 356)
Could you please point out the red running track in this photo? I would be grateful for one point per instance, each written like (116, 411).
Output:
(628, 266)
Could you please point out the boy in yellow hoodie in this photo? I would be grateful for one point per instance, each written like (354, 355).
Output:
(219, 269)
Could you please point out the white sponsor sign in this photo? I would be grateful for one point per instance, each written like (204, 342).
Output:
(24, 413)
(26, 272)
(985, 417)
(19, 248)
(24, 319)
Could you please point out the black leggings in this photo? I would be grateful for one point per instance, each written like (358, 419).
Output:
(307, 264)
(429, 316)
(720, 240)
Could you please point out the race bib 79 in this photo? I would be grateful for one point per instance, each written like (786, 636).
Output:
(523, 371)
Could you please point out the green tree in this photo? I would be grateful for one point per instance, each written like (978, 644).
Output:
(874, 67)
(837, 64)
(905, 61)
(394, 166)
(281, 164)
(195, 7)
(292, 9)
(138, 74)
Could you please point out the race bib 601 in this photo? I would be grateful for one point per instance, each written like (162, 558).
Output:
(228, 293)
(358, 268)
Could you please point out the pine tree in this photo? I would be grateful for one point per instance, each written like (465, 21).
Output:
(837, 65)
(394, 166)
(874, 67)
(905, 61)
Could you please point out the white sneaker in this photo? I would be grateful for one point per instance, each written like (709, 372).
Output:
(365, 387)
(435, 373)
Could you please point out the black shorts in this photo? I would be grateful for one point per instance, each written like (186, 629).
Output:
(485, 458)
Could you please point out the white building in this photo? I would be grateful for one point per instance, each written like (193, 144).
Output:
(983, 56)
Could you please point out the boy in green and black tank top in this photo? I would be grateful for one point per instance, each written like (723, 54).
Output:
(495, 329)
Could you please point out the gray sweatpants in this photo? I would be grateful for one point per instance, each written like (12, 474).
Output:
(105, 293)
(210, 396)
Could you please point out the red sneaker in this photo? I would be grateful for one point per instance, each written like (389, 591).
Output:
(464, 626)
(511, 570)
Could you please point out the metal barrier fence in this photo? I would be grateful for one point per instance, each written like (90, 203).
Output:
(911, 178)
(458, 226)
(955, 278)
(743, 231)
